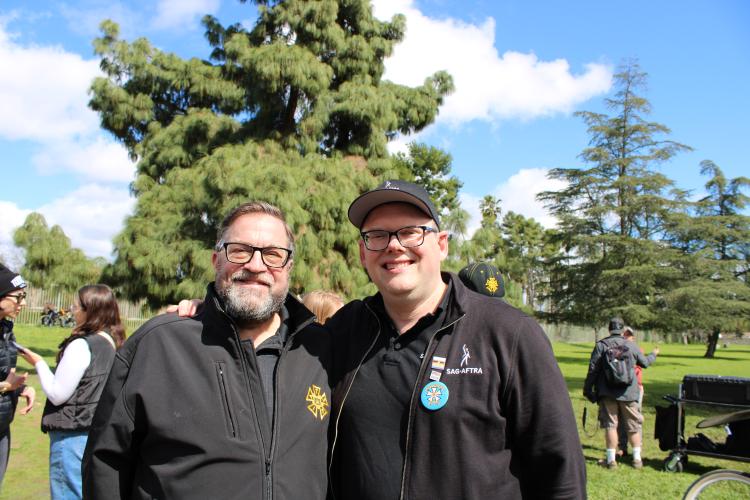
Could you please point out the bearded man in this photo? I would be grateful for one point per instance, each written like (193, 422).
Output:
(230, 403)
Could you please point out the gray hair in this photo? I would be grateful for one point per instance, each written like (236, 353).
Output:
(253, 207)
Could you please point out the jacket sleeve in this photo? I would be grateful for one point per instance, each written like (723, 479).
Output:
(590, 383)
(547, 452)
(643, 360)
(108, 465)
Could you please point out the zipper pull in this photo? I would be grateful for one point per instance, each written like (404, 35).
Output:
(268, 467)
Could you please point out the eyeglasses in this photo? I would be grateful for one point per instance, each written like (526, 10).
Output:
(239, 253)
(18, 297)
(409, 237)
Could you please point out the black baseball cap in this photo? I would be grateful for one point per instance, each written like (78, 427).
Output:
(10, 281)
(392, 191)
(483, 278)
(616, 325)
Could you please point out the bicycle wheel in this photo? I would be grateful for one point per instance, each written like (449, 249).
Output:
(720, 484)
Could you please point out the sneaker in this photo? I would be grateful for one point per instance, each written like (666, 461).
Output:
(609, 465)
(637, 464)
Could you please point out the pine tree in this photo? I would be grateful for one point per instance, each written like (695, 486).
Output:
(293, 111)
(612, 214)
(713, 294)
(51, 262)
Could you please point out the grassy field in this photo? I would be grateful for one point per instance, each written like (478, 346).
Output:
(27, 476)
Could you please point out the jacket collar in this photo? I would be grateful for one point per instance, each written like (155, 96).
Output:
(213, 313)
(457, 301)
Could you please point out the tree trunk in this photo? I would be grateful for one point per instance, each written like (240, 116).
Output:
(713, 340)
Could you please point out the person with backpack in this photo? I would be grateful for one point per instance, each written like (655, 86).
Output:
(612, 383)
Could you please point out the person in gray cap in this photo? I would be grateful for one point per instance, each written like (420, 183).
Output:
(12, 385)
(441, 392)
(616, 395)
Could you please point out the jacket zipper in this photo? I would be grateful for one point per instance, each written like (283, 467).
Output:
(412, 406)
(346, 394)
(226, 402)
(268, 459)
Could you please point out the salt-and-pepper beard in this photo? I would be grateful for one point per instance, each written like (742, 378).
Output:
(242, 310)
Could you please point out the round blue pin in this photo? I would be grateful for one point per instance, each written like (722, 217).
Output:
(435, 395)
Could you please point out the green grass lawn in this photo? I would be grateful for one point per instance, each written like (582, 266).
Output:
(27, 475)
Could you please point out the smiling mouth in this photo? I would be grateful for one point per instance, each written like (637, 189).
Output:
(393, 266)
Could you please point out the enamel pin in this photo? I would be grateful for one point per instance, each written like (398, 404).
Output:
(435, 395)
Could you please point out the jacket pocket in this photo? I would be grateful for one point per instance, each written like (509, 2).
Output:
(226, 401)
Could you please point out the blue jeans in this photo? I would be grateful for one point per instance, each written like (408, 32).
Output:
(65, 454)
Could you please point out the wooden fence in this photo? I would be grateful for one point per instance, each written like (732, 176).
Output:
(133, 314)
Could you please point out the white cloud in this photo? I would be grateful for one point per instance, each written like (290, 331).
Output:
(97, 159)
(44, 99)
(12, 217)
(43, 91)
(489, 86)
(91, 216)
(517, 194)
(182, 13)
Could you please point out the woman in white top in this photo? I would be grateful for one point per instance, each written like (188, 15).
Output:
(83, 362)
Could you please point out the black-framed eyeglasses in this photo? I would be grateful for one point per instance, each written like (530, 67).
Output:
(409, 237)
(17, 296)
(240, 253)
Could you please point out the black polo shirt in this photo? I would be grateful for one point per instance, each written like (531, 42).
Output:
(268, 354)
(374, 418)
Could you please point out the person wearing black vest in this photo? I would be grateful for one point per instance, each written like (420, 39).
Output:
(12, 300)
(73, 391)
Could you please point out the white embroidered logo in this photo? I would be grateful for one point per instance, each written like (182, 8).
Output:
(466, 356)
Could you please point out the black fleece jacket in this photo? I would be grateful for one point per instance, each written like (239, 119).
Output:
(507, 430)
(183, 414)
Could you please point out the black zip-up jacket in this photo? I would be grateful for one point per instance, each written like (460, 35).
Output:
(183, 415)
(507, 430)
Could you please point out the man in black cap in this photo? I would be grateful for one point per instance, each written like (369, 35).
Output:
(442, 392)
(484, 278)
(12, 300)
(617, 396)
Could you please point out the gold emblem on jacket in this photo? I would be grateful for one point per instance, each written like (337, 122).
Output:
(318, 402)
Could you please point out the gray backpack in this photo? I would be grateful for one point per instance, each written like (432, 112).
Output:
(619, 368)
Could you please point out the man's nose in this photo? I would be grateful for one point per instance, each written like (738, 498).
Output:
(256, 264)
(394, 245)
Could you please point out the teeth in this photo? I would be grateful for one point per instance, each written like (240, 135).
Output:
(396, 265)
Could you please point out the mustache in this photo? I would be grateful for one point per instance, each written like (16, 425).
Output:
(245, 275)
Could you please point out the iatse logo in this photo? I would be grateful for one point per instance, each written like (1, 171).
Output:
(463, 367)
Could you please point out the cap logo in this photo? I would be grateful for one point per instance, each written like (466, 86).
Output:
(17, 281)
(491, 284)
(388, 185)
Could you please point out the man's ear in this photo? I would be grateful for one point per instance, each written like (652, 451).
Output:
(214, 258)
(443, 244)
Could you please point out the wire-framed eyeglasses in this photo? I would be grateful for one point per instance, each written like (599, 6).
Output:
(410, 236)
(240, 253)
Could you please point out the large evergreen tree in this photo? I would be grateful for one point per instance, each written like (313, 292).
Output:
(612, 213)
(52, 262)
(293, 111)
(713, 294)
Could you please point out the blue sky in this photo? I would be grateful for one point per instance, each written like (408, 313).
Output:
(521, 69)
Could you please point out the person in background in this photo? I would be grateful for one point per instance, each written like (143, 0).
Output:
(622, 432)
(322, 304)
(12, 385)
(484, 278)
(616, 402)
(83, 362)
